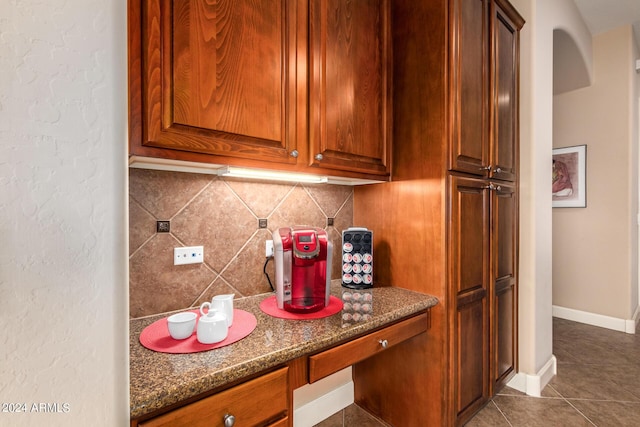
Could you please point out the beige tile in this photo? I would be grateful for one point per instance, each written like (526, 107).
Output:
(245, 272)
(219, 221)
(590, 350)
(575, 381)
(142, 225)
(609, 414)
(157, 286)
(579, 332)
(625, 376)
(354, 416)
(297, 209)
(489, 416)
(342, 221)
(549, 391)
(262, 198)
(335, 420)
(344, 217)
(564, 350)
(164, 193)
(542, 412)
(218, 287)
(330, 198)
(508, 391)
(336, 259)
(597, 371)
(222, 215)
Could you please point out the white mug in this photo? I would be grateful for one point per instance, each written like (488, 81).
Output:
(212, 326)
(181, 325)
(224, 303)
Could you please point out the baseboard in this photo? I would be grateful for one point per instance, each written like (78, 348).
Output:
(622, 325)
(318, 401)
(532, 385)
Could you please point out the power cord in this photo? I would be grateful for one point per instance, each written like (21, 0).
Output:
(264, 270)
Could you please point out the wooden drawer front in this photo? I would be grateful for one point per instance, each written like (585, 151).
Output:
(330, 361)
(253, 403)
(280, 423)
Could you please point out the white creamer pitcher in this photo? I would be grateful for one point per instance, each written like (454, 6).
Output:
(224, 304)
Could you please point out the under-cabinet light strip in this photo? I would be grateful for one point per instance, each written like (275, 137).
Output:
(231, 171)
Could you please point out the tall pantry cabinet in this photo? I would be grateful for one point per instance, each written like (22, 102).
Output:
(447, 224)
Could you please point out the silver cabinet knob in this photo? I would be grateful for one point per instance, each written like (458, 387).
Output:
(486, 168)
(294, 153)
(384, 343)
(229, 420)
(319, 157)
(497, 170)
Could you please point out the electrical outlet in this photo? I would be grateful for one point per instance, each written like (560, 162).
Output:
(163, 226)
(188, 255)
(269, 249)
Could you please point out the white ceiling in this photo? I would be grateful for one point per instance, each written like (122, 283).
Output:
(605, 15)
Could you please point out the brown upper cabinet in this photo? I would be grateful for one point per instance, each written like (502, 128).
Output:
(295, 85)
(484, 139)
(505, 83)
(350, 69)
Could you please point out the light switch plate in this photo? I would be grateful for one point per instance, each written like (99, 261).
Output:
(188, 255)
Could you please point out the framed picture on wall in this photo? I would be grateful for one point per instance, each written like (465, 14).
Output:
(569, 188)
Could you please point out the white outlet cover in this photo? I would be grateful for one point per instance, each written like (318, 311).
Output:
(188, 255)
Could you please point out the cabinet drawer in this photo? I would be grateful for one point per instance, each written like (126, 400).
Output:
(280, 423)
(254, 403)
(330, 361)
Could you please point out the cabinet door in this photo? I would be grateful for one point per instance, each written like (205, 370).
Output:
(504, 147)
(469, 148)
(214, 77)
(469, 280)
(504, 277)
(350, 85)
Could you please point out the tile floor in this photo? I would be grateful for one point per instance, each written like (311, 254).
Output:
(598, 384)
(352, 416)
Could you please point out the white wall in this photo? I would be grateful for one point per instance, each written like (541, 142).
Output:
(536, 360)
(595, 248)
(63, 263)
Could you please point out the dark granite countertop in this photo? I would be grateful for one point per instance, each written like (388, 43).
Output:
(158, 380)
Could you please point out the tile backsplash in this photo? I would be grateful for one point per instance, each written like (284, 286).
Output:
(221, 214)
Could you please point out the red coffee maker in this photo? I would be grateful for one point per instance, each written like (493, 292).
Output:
(303, 268)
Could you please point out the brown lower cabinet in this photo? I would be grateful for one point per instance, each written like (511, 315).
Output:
(267, 400)
(261, 401)
(483, 271)
(454, 238)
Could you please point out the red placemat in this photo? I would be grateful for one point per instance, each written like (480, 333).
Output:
(270, 306)
(156, 336)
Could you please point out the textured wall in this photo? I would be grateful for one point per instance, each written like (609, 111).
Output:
(221, 215)
(63, 316)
